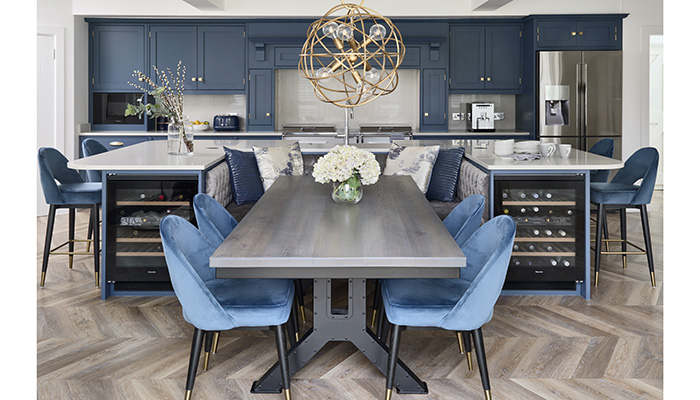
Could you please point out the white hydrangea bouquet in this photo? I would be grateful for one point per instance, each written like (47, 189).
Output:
(348, 168)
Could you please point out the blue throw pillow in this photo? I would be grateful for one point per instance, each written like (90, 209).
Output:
(443, 181)
(245, 177)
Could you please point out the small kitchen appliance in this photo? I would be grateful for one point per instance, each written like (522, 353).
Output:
(480, 117)
(226, 122)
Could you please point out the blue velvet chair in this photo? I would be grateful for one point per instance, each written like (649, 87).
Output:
(64, 188)
(212, 304)
(622, 193)
(606, 148)
(92, 147)
(461, 222)
(216, 223)
(461, 305)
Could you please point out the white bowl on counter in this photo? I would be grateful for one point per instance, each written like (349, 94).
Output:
(200, 127)
(503, 148)
(527, 146)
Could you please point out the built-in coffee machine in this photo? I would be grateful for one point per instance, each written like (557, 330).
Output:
(480, 117)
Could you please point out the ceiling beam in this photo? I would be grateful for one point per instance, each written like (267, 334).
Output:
(207, 5)
(488, 5)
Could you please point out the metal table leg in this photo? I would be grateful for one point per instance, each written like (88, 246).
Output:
(340, 325)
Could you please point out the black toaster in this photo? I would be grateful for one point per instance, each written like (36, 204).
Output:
(228, 122)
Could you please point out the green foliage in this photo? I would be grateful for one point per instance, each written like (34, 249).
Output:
(152, 110)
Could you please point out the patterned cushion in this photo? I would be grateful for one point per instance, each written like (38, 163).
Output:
(443, 181)
(276, 161)
(416, 161)
(245, 177)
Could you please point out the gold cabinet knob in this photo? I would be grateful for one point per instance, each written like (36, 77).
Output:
(488, 79)
(426, 114)
(482, 79)
(267, 114)
(573, 33)
(194, 79)
(580, 33)
(200, 79)
(116, 143)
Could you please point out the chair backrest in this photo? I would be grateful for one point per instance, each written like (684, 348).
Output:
(606, 148)
(488, 255)
(90, 148)
(465, 219)
(53, 170)
(187, 254)
(215, 222)
(643, 164)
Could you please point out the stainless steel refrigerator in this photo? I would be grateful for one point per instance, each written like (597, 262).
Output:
(580, 98)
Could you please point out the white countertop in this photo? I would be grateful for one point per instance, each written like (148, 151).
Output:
(153, 156)
(578, 160)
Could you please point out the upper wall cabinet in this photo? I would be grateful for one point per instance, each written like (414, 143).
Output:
(485, 58)
(116, 51)
(564, 34)
(214, 56)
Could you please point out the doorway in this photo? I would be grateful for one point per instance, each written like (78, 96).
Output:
(656, 100)
(50, 95)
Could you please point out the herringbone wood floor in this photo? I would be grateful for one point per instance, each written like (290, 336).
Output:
(538, 347)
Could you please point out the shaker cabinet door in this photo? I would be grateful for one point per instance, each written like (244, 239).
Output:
(503, 57)
(116, 51)
(221, 61)
(467, 57)
(171, 44)
(261, 100)
(433, 99)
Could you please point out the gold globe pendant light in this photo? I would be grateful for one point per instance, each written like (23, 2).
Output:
(351, 56)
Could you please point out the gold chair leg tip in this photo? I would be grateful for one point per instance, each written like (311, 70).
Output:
(287, 394)
(487, 393)
(188, 394)
(302, 313)
(470, 364)
(387, 396)
(206, 361)
(374, 318)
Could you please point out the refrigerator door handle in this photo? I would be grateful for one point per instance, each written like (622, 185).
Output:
(584, 102)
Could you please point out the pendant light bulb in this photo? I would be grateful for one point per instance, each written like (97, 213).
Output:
(344, 32)
(330, 29)
(377, 32)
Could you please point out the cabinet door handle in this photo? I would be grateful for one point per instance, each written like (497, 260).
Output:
(573, 33)
(116, 143)
(482, 79)
(488, 79)
(267, 114)
(194, 79)
(426, 114)
(200, 79)
(580, 33)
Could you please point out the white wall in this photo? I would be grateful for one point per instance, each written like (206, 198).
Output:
(643, 13)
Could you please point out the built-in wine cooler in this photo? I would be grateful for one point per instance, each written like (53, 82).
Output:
(135, 206)
(549, 248)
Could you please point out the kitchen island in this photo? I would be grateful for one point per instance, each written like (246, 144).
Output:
(142, 182)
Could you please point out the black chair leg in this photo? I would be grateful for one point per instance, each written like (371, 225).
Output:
(481, 361)
(606, 234)
(208, 337)
(623, 235)
(647, 242)
(300, 299)
(393, 357)
(194, 361)
(47, 243)
(377, 300)
(71, 236)
(283, 361)
(96, 247)
(384, 328)
(598, 240)
(380, 322)
(89, 234)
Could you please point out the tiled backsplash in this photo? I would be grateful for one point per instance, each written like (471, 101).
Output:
(205, 107)
(504, 103)
(297, 104)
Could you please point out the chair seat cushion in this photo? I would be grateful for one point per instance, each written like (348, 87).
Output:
(421, 302)
(612, 193)
(81, 193)
(254, 302)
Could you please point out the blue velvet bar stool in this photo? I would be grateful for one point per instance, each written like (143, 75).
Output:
(606, 148)
(461, 222)
(92, 147)
(212, 304)
(216, 223)
(64, 188)
(622, 193)
(462, 305)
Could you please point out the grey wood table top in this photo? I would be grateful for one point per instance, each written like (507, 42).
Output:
(296, 230)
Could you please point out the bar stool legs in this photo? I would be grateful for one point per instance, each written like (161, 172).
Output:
(647, 243)
(283, 362)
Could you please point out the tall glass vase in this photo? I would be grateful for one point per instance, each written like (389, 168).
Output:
(180, 136)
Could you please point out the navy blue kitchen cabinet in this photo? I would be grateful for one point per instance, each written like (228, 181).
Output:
(116, 50)
(433, 100)
(587, 34)
(214, 55)
(261, 100)
(485, 58)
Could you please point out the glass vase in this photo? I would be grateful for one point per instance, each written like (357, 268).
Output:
(180, 136)
(348, 191)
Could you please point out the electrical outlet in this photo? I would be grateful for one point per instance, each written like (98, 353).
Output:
(458, 116)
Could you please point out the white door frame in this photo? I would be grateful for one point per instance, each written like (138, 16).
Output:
(59, 140)
(647, 32)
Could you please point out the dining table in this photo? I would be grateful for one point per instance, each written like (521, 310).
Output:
(296, 231)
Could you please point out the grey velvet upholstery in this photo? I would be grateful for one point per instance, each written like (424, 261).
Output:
(90, 148)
